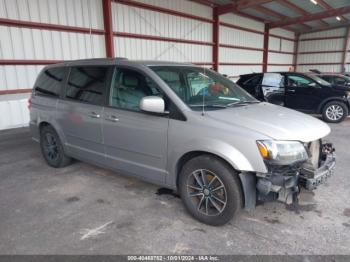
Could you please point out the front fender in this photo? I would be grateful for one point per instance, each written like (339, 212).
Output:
(213, 146)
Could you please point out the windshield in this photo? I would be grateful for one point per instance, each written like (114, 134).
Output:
(319, 80)
(198, 86)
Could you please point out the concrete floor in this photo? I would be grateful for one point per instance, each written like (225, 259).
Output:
(82, 209)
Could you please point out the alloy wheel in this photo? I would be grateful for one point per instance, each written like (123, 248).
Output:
(50, 147)
(207, 192)
(334, 112)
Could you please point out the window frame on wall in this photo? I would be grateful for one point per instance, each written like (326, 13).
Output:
(107, 83)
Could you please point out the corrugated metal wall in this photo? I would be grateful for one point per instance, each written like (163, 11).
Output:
(142, 22)
(235, 59)
(321, 50)
(140, 32)
(281, 50)
(36, 44)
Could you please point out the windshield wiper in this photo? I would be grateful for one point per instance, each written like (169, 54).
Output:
(242, 103)
(208, 105)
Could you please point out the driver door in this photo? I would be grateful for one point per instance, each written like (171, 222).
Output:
(302, 93)
(135, 142)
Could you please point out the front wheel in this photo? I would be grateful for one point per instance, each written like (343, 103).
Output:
(210, 190)
(334, 112)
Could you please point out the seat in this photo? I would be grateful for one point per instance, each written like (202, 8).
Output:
(130, 92)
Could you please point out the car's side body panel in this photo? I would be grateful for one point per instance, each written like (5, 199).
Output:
(305, 99)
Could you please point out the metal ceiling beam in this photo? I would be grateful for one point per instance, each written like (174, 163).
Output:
(323, 28)
(311, 17)
(270, 12)
(323, 23)
(239, 5)
(205, 2)
(298, 9)
(328, 7)
(294, 7)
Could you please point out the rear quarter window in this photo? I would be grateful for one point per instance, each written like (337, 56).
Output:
(50, 82)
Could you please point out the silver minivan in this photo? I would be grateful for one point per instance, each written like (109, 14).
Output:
(180, 126)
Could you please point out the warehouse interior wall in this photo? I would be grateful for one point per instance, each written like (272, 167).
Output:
(36, 33)
(324, 50)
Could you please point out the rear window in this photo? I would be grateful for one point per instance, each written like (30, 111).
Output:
(50, 82)
(87, 84)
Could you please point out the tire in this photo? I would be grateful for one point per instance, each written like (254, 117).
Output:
(334, 112)
(201, 205)
(52, 149)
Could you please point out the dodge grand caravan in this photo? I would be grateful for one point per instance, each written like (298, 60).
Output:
(182, 127)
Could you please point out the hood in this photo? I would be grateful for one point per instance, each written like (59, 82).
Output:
(276, 122)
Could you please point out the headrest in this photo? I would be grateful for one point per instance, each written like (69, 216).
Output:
(130, 80)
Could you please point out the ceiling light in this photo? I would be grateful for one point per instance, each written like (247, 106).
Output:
(338, 18)
(314, 2)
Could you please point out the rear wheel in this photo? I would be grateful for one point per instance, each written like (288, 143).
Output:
(334, 112)
(52, 149)
(210, 190)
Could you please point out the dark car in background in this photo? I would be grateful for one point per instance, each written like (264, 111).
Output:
(336, 79)
(307, 93)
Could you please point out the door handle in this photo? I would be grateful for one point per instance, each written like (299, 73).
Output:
(112, 118)
(94, 115)
(291, 90)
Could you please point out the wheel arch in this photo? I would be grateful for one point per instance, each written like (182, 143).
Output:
(246, 179)
(43, 123)
(330, 99)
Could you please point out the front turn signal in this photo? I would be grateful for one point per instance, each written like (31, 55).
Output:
(263, 150)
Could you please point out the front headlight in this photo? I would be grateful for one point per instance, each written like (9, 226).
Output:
(282, 152)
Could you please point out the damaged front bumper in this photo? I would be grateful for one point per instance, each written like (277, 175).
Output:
(283, 183)
(310, 177)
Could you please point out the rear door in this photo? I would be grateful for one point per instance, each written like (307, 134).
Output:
(135, 142)
(79, 113)
(302, 93)
(252, 85)
(272, 88)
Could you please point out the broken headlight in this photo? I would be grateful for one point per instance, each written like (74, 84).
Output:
(282, 152)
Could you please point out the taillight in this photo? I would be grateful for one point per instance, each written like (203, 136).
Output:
(29, 103)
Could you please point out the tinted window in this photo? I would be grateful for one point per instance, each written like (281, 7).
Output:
(129, 87)
(327, 78)
(50, 82)
(319, 80)
(87, 84)
(339, 81)
(298, 81)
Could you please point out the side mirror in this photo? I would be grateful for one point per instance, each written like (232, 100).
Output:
(152, 104)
